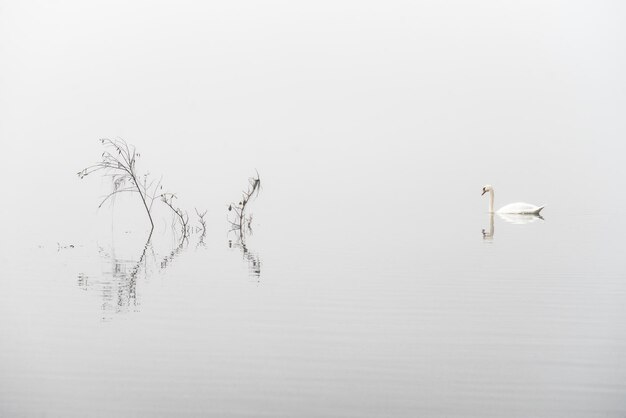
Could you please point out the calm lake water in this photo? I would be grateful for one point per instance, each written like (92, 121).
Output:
(331, 309)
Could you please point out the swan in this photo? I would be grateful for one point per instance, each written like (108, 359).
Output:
(519, 208)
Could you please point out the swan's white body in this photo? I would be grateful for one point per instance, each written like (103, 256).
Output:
(519, 208)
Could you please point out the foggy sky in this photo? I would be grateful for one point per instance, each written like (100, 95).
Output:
(418, 102)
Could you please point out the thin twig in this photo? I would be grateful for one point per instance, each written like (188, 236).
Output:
(119, 158)
(239, 209)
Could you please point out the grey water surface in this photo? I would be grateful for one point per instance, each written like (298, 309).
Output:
(322, 314)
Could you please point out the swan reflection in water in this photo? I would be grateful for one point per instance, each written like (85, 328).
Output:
(488, 235)
(512, 218)
(518, 218)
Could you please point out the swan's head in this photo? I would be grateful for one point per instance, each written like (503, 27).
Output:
(486, 189)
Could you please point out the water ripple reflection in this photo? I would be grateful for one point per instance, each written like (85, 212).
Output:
(251, 258)
(120, 274)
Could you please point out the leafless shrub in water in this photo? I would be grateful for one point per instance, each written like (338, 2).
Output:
(182, 217)
(201, 220)
(240, 220)
(119, 162)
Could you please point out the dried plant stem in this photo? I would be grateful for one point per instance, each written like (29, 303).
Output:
(168, 198)
(119, 161)
(201, 220)
(240, 208)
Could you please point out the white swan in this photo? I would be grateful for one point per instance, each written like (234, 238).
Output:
(516, 208)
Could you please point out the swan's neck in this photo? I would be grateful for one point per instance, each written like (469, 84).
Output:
(491, 201)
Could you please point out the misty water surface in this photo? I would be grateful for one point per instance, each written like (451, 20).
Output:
(328, 312)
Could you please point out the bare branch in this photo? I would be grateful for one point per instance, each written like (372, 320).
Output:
(113, 194)
(122, 166)
(239, 209)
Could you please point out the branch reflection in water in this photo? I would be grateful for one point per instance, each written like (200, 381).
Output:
(251, 258)
(117, 283)
(202, 222)
(182, 245)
